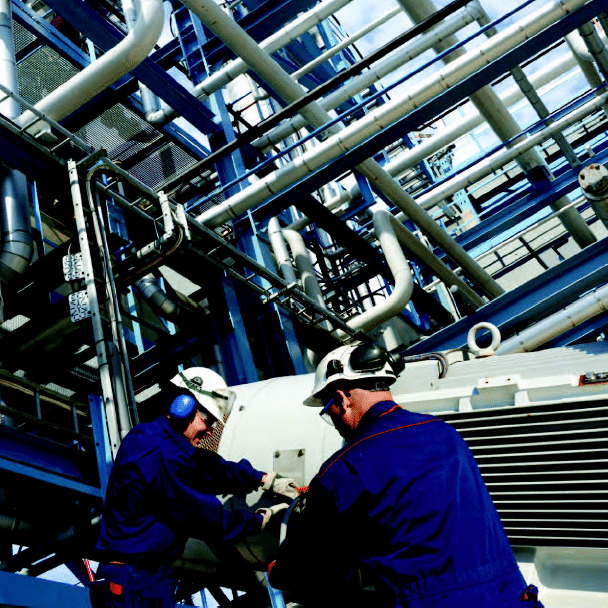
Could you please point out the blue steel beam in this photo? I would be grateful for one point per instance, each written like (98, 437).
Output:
(105, 35)
(530, 302)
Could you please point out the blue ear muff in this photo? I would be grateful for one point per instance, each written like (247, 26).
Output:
(183, 407)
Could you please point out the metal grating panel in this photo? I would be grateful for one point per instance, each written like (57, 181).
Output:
(41, 73)
(546, 468)
(120, 132)
(162, 165)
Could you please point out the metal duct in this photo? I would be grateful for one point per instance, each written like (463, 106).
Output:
(17, 243)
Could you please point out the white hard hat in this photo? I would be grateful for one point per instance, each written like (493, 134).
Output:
(208, 388)
(354, 362)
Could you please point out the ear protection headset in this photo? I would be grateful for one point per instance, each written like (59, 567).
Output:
(183, 407)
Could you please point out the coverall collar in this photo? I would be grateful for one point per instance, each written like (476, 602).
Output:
(177, 437)
(373, 413)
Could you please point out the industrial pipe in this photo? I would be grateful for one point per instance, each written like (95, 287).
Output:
(103, 72)
(280, 82)
(236, 67)
(17, 247)
(488, 103)
(444, 137)
(376, 72)
(388, 222)
(585, 308)
(495, 162)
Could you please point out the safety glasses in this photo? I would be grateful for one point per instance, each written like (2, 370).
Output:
(325, 412)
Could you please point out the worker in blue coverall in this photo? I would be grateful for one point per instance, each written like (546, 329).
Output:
(400, 516)
(162, 490)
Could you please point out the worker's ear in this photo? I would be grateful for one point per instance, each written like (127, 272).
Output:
(343, 398)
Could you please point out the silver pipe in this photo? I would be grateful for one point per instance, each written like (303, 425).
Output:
(542, 112)
(334, 50)
(103, 72)
(375, 73)
(441, 271)
(588, 45)
(585, 308)
(497, 161)
(238, 66)
(17, 247)
(277, 242)
(102, 357)
(499, 118)
(226, 29)
(430, 146)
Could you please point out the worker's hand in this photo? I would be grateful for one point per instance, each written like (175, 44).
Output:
(270, 513)
(284, 486)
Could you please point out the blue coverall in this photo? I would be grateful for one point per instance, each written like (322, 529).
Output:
(401, 509)
(161, 491)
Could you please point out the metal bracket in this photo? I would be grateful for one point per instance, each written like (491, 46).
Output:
(73, 267)
(79, 305)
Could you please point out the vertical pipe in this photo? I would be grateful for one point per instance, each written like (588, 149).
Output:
(17, 243)
(100, 347)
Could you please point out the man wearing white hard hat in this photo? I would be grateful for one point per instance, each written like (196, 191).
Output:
(163, 489)
(400, 516)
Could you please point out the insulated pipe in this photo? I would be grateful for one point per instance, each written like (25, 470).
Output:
(588, 45)
(497, 161)
(277, 242)
(388, 222)
(102, 355)
(496, 114)
(542, 112)
(446, 136)
(17, 246)
(103, 72)
(306, 270)
(403, 283)
(236, 67)
(156, 297)
(585, 308)
(376, 72)
(226, 29)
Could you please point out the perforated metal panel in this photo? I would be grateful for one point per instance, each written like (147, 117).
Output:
(546, 468)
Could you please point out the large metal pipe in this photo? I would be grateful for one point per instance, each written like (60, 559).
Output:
(444, 137)
(376, 72)
(385, 221)
(499, 160)
(346, 42)
(503, 124)
(280, 82)
(394, 304)
(17, 246)
(114, 64)
(236, 67)
(585, 308)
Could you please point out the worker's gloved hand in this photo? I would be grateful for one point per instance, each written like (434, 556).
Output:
(284, 486)
(270, 513)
